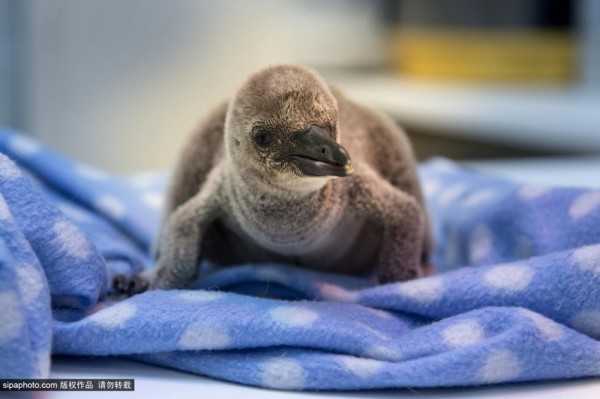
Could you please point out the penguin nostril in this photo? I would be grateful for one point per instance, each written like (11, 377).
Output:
(323, 150)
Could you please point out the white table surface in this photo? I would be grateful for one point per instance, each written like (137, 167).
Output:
(157, 382)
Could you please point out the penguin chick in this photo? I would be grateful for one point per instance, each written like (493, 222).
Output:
(291, 171)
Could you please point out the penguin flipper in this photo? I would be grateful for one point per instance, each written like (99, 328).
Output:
(403, 220)
(201, 153)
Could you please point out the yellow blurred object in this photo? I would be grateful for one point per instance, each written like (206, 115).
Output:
(482, 55)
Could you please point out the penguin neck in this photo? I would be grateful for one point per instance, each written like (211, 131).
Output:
(256, 188)
(281, 219)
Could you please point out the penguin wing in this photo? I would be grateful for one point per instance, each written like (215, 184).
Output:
(376, 140)
(200, 154)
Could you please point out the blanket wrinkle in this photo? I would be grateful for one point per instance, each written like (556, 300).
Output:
(517, 296)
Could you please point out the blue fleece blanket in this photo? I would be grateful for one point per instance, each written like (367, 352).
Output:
(517, 297)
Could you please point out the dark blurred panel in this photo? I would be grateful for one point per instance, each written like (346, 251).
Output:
(555, 13)
(487, 14)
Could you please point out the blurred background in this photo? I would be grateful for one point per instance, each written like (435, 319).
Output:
(121, 84)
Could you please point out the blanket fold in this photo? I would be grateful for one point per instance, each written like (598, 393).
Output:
(517, 297)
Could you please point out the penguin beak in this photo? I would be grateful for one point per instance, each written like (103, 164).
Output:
(317, 154)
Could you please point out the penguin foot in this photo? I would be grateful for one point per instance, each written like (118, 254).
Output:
(130, 285)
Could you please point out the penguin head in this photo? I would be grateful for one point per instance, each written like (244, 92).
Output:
(281, 126)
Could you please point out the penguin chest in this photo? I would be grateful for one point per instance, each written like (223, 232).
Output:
(340, 242)
(351, 247)
(285, 230)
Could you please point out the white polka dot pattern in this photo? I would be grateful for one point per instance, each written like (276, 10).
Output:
(111, 205)
(282, 374)
(588, 258)
(480, 198)
(9, 171)
(4, 210)
(153, 199)
(11, 318)
(23, 146)
(584, 205)
(462, 334)
(202, 296)
(204, 336)
(384, 352)
(451, 194)
(431, 187)
(548, 329)
(31, 283)
(71, 240)
(115, 316)
(500, 366)
(510, 277)
(424, 291)
(293, 316)
(480, 243)
(362, 368)
(528, 193)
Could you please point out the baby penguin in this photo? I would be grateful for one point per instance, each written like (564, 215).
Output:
(291, 171)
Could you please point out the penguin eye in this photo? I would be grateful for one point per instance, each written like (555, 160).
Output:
(263, 138)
